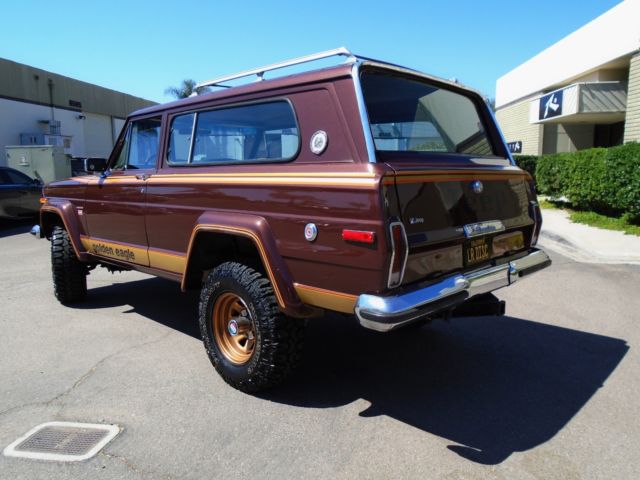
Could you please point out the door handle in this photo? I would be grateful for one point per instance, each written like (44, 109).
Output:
(142, 176)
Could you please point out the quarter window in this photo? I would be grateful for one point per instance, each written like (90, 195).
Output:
(263, 132)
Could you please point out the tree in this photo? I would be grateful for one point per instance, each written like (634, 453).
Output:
(492, 103)
(186, 88)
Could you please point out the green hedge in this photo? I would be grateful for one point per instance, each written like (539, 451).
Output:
(622, 179)
(605, 180)
(527, 162)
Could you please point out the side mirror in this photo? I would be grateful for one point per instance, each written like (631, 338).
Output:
(92, 165)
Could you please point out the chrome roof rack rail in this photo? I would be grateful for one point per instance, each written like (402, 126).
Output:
(342, 51)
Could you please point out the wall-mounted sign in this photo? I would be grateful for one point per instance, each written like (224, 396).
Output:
(550, 105)
(515, 147)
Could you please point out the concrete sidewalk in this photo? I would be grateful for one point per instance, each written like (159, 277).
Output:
(587, 244)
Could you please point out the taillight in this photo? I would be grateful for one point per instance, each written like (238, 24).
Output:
(399, 254)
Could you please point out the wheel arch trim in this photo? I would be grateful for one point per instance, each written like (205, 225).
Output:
(65, 213)
(257, 230)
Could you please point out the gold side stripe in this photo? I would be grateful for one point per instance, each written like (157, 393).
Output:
(115, 250)
(319, 297)
(266, 175)
(353, 179)
(169, 262)
(461, 171)
(451, 178)
(285, 181)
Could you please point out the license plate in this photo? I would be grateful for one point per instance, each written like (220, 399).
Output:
(477, 250)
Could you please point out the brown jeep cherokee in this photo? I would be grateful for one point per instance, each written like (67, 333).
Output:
(365, 188)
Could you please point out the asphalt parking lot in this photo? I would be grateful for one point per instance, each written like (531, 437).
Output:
(549, 391)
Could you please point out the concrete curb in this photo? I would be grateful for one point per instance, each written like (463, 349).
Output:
(586, 244)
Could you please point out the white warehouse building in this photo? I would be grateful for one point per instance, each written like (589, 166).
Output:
(582, 92)
(43, 108)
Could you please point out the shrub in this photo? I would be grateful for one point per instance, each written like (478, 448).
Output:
(585, 181)
(528, 163)
(552, 173)
(605, 180)
(622, 180)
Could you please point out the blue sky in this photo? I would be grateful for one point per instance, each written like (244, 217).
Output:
(142, 47)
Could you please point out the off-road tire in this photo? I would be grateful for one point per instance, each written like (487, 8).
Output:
(69, 274)
(278, 339)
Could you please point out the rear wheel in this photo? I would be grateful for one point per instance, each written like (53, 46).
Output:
(69, 274)
(250, 343)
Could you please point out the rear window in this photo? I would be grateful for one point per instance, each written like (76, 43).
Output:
(262, 132)
(410, 115)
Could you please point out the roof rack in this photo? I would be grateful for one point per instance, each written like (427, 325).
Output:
(342, 51)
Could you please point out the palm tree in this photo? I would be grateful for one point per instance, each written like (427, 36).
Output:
(185, 90)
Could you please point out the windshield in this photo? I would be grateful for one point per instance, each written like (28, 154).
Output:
(410, 115)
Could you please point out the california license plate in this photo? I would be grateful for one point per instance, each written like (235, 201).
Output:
(476, 251)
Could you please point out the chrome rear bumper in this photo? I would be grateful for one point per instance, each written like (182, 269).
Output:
(386, 313)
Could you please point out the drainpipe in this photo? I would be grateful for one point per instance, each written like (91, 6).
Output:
(113, 131)
(50, 85)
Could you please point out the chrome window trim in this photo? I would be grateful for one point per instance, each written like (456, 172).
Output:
(502, 139)
(193, 137)
(416, 73)
(205, 108)
(363, 61)
(364, 116)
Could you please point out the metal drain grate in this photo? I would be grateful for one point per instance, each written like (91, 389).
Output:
(62, 441)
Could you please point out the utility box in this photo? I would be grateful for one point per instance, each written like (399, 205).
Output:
(44, 162)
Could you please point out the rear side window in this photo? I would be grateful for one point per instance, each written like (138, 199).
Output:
(411, 115)
(262, 132)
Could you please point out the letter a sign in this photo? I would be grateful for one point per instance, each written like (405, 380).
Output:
(550, 105)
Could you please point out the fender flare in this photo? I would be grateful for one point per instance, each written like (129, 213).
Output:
(66, 212)
(256, 229)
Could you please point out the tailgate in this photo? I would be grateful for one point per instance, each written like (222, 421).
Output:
(462, 219)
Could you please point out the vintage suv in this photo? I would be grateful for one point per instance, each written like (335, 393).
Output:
(363, 188)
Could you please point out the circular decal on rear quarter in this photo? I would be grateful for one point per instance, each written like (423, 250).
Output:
(319, 141)
(310, 232)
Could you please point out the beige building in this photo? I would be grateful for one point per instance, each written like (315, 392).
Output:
(43, 108)
(582, 92)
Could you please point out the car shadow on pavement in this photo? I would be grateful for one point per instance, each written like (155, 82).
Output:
(154, 298)
(9, 227)
(490, 385)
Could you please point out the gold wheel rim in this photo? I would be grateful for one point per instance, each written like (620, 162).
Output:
(233, 328)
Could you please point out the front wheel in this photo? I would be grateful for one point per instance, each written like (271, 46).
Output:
(69, 274)
(251, 344)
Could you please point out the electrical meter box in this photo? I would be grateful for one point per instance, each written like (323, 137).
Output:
(44, 162)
